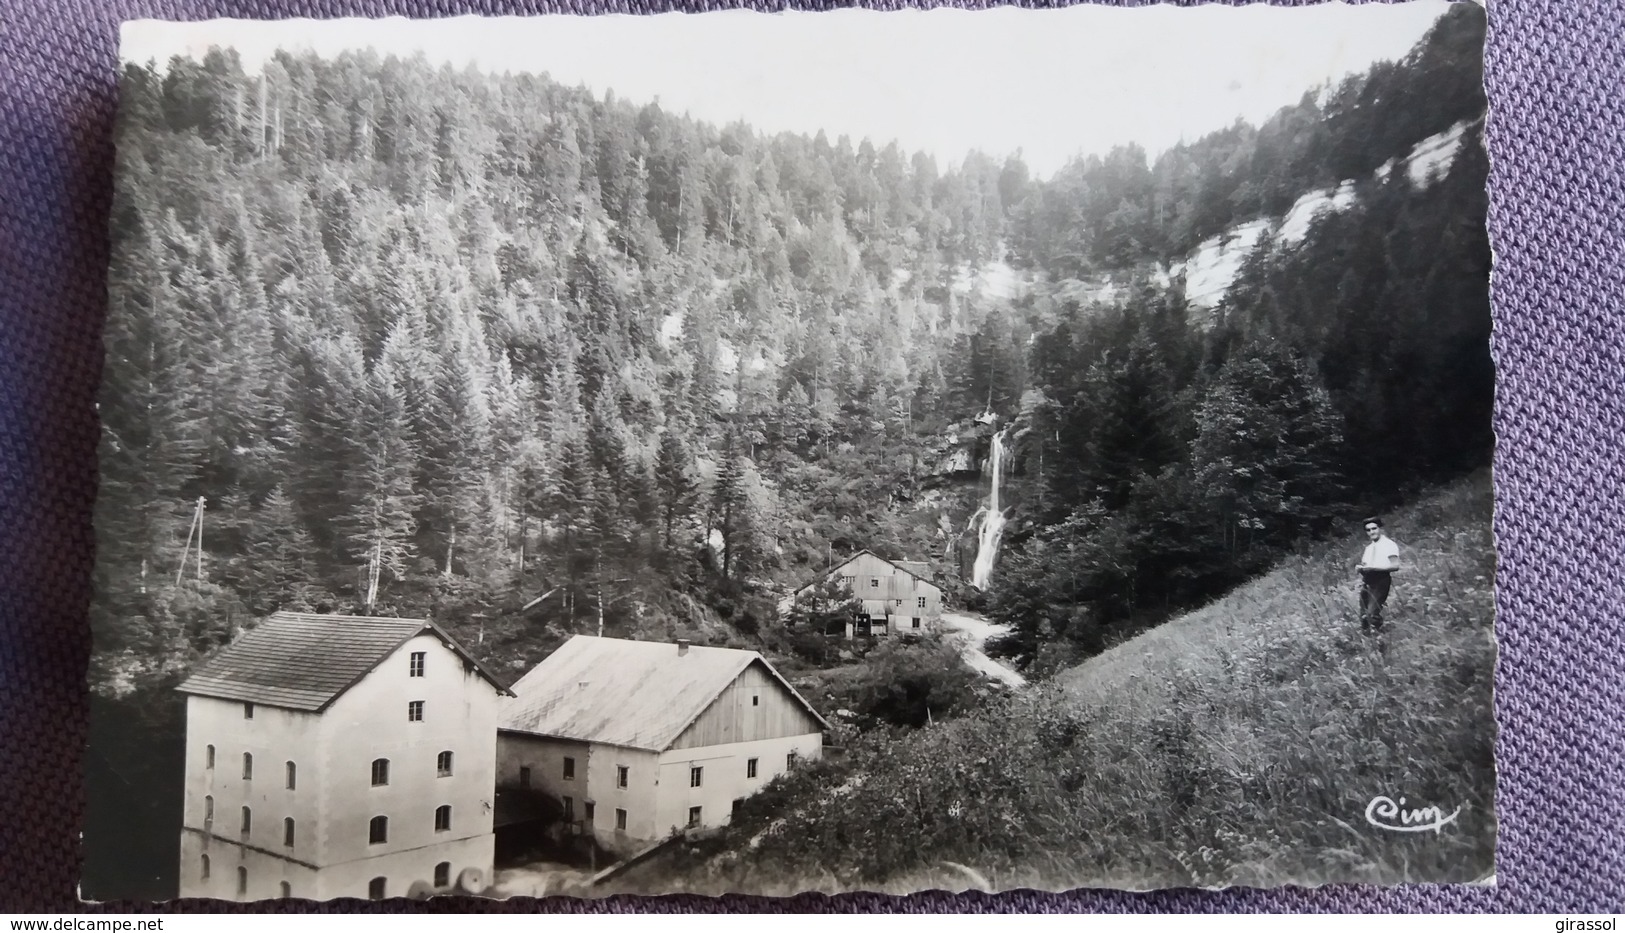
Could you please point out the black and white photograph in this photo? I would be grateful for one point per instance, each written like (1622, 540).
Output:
(802, 452)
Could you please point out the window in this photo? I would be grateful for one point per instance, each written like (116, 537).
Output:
(442, 874)
(442, 764)
(738, 802)
(899, 604)
(695, 774)
(380, 772)
(920, 603)
(248, 821)
(621, 774)
(442, 818)
(208, 810)
(750, 768)
(756, 699)
(242, 881)
(414, 711)
(569, 769)
(293, 774)
(205, 875)
(417, 663)
(524, 777)
(208, 757)
(693, 816)
(874, 583)
(620, 820)
(846, 581)
(375, 889)
(248, 711)
(287, 831)
(914, 622)
(248, 767)
(569, 808)
(790, 761)
(287, 889)
(378, 830)
(588, 810)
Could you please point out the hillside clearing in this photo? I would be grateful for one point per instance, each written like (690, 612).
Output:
(1239, 744)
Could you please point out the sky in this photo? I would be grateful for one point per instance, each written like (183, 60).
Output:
(1050, 83)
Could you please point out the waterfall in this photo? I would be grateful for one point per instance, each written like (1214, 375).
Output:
(992, 519)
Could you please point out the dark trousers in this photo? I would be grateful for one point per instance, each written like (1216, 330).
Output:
(1373, 593)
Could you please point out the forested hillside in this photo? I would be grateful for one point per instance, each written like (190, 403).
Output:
(436, 341)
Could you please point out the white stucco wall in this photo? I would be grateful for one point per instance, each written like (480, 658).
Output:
(595, 782)
(334, 801)
(723, 779)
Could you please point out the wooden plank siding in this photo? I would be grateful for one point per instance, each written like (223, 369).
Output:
(733, 717)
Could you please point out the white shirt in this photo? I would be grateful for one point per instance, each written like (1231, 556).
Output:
(1381, 554)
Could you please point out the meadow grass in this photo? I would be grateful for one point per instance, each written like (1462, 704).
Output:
(1238, 744)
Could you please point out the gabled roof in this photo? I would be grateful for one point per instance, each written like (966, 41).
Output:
(303, 661)
(636, 694)
(918, 569)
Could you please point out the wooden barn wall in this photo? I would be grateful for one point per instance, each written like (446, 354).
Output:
(733, 718)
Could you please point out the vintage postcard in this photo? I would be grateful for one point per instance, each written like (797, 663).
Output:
(805, 452)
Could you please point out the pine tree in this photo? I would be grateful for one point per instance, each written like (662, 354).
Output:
(675, 483)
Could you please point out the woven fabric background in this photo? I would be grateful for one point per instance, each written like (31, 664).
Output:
(1556, 80)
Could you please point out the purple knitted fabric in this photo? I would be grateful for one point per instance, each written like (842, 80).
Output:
(1556, 81)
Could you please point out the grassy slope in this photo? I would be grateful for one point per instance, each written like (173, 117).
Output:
(1239, 744)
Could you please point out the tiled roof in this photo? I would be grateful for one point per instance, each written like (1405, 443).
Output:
(303, 661)
(637, 694)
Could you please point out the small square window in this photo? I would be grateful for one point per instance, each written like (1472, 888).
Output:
(694, 776)
(248, 711)
(442, 818)
(756, 699)
(620, 820)
(414, 711)
(524, 777)
(920, 603)
(569, 769)
(694, 816)
(874, 583)
(622, 773)
(417, 663)
(750, 768)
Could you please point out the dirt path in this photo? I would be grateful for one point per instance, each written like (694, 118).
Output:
(974, 631)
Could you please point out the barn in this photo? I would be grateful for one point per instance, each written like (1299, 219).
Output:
(897, 595)
(637, 740)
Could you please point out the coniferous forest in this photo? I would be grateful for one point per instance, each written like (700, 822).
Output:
(436, 341)
(389, 337)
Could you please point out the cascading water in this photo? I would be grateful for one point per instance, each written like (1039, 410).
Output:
(991, 517)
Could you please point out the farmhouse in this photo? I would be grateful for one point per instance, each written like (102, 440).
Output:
(640, 739)
(897, 595)
(338, 756)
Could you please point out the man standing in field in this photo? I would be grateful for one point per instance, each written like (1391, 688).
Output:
(1377, 567)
